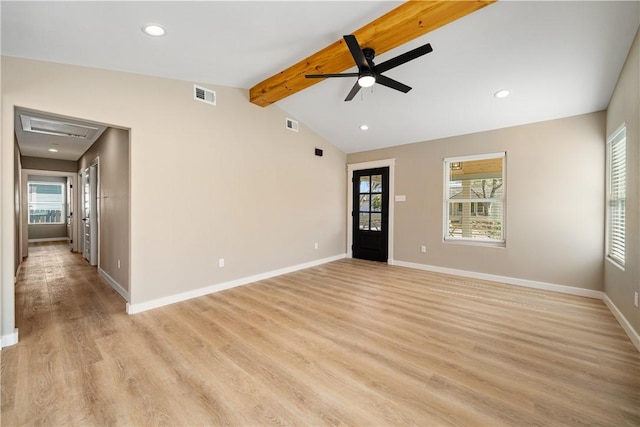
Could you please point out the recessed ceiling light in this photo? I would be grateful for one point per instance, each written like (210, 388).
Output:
(154, 30)
(364, 127)
(53, 150)
(502, 93)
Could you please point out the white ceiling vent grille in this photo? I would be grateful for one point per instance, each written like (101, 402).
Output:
(292, 125)
(53, 127)
(204, 95)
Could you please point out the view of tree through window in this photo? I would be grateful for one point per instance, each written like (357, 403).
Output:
(46, 203)
(474, 198)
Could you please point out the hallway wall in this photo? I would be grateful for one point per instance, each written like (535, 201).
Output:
(112, 148)
(49, 164)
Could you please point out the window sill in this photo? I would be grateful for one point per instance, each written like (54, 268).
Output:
(615, 263)
(483, 243)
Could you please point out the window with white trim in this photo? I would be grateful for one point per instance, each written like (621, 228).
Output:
(46, 202)
(474, 199)
(616, 195)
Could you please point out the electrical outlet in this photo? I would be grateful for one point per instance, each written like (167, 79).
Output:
(635, 299)
(423, 249)
(315, 246)
(221, 262)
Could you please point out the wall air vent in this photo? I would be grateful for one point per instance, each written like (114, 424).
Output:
(204, 95)
(292, 124)
(54, 127)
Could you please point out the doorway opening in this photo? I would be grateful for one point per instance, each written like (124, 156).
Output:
(62, 148)
(47, 208)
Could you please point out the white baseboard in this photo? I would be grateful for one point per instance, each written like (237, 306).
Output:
(183, 296)
(49, 239)
(9, 339)
(115, 285)
(631, 333)
(504, 279)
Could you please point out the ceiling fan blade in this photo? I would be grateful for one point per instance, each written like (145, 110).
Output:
(405, 57)
(356, 52)
(353, 92)
(322, 76)
(393, 84)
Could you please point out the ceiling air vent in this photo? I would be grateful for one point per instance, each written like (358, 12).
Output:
(54, 127)
(292, 125)
(204, 95)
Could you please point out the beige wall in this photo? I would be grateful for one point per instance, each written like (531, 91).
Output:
(554, 202)
(49, 164)
(47, 231)
(207, 182)
(112, 148)
(624, 107)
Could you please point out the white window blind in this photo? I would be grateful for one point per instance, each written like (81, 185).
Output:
(617, 177)
(46, 203)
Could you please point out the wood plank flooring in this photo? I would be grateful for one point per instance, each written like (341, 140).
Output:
(346, 343)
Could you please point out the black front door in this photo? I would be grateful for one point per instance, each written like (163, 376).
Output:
(370, 214)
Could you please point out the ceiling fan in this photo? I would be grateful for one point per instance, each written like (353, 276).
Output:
(368, 73)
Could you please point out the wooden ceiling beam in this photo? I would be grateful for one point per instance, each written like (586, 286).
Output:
(408, 21)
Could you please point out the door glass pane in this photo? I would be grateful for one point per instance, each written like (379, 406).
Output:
(376, 203)
(376, 183)
(376, 221)
(364, 184)
(364, 221)
(364, 203)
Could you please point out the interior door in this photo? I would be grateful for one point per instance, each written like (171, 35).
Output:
(70, 212)
(90, 213)
(371, 214)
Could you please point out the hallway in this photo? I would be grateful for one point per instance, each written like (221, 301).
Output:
(62, 305)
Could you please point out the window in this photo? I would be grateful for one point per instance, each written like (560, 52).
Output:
(616, 195)
(474, 205)
(46, 203)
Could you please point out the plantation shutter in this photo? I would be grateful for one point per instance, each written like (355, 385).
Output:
(617, 196)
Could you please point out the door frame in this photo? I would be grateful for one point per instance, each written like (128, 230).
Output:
(390, 163)
(24, 229)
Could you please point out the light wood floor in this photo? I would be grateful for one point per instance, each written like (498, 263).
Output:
(346, 343)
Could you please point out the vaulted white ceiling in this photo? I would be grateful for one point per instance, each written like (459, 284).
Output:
(558, 59)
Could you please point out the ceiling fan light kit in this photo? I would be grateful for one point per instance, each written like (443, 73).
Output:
(366, 80)
(369, 73)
